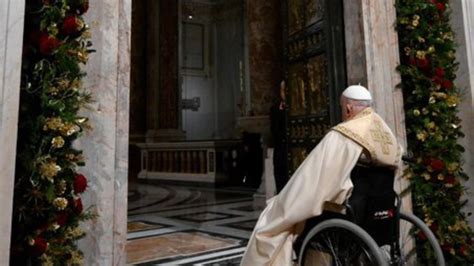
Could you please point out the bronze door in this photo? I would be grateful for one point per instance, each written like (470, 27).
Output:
(314, 70)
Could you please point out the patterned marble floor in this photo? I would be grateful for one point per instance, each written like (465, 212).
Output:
(182, 224)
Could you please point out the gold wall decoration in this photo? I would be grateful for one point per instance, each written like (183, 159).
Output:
(314, 11)
(317, 84)
(297, 89)
(298, 156)
(295, 16)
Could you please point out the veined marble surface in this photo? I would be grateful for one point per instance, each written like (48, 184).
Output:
(106, 147)
(181, 224)
(462, 20)
(11, 38)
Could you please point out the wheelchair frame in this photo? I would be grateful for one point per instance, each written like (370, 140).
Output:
(396, 257)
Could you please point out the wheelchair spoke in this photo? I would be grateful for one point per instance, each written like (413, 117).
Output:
(334, 247)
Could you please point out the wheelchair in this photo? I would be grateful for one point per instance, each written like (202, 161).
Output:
(373, 230)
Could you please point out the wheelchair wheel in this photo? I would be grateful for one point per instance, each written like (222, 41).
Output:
(339, 242)
(407, 246)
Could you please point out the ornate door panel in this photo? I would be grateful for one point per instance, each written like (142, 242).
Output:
(314, 70)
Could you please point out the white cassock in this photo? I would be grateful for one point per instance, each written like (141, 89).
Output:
(323, 177)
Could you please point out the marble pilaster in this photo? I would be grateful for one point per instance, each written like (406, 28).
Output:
(462, 20)
(11, 35)
(106, 147)
(372, 57)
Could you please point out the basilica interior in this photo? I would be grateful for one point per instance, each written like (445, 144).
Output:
(197, 132)
(204, 76)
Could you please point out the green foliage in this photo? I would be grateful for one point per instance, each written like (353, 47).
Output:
(428, 69)
(47, 203)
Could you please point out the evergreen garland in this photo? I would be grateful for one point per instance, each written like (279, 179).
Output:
(428, 69)
(47, 203)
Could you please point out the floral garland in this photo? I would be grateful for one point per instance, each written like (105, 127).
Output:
(47, 205)
(428, 70)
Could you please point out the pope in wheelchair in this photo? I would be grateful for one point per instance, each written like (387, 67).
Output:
(362, 150)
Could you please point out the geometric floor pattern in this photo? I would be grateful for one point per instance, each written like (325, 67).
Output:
(180, 224)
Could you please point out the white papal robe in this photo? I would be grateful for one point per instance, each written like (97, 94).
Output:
(322, 178)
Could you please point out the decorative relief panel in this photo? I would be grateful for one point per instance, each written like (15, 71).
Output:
(295, 16)
(306, 45)
(314, 72)
(297, 87)
(299, 154)
(314, 11)
(317, 83)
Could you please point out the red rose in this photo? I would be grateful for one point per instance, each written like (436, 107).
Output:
(421, 235)
(446, 247)
(39, 246)
(47, 44)
(423, 64)
(71, 25)
(463, 250)
(437, 164)
(441, 7)
(434, 227)
(439, 72)
(448, 84)
(61, 219)
(78, 206)
(412, 61)
(450, 179)
(80, 183)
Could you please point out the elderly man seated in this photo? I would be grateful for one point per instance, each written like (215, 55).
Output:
(323, 179)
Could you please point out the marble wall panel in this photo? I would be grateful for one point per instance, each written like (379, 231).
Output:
(106, 147)
(462, 21)
(11, 35)
(372, 57)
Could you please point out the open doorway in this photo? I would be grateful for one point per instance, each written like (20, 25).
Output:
(193, 172)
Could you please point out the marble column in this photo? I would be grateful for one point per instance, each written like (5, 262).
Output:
(372, 56)
(462, 20)
(106, 146)
(12, 14)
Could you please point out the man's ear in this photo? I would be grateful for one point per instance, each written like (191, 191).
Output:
(348, 110)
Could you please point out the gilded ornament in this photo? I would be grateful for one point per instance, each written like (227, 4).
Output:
(420, 54)
(422, 135)
(426, 176)
(49, 170)
(452, 101)
(452, 167)
(53, 123)
(440, 177)
(57, 142)
(430, 125)
(60, 203)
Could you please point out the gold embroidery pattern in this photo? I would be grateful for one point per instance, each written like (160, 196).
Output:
(358, 139)
(382, 137)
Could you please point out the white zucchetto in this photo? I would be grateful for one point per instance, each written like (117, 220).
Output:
(357, 92)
